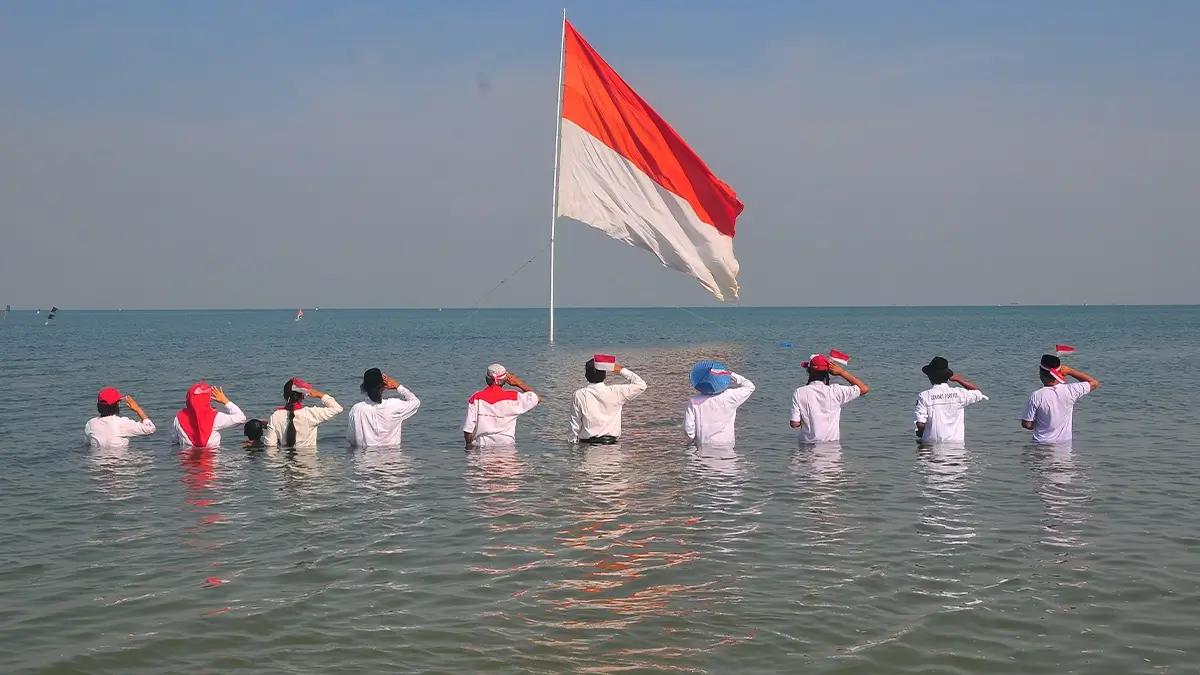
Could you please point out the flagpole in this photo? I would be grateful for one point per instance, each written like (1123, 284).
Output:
(562, 54)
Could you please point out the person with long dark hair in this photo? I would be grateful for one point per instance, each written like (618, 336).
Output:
(377, 421)
(198, 424)
(295, 425)
(109, 429)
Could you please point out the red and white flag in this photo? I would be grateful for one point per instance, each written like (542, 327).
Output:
(605, 362)
(625, 172)
(1064, 350)
(840, 357)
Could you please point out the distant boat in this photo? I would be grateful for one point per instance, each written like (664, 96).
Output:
(7, 309)
(299, 314)
(50, 316)
(38, 311)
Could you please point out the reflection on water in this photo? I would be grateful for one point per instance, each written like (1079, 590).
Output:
(199, 479)
(494, 480)
(388, 467)
(119, 472)
(714, 462)
(1066, 495)
(946, 514)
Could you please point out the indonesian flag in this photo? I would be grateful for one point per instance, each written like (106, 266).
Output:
(625, 172)
(1064, 350)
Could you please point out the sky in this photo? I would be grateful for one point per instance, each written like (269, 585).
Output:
(355, 154)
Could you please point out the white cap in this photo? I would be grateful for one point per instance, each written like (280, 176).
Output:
(496, 373)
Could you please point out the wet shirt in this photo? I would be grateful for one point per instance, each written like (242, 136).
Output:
(1051, 410)
(942, 409)
(818, 408)
(114, 431)
(710, 419)
(596, 409)
(492, 415)
(375, 424)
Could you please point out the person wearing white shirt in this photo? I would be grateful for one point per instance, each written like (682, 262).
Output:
(596, 408)
(198, 424)
(940, 412)
(710, 417)
(377, 421)
(295, 425)
(817, 406)
(109, 429)
(1050, 409)
(492, 412)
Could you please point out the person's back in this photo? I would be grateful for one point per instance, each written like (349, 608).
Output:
(817, 406)
(109, 429)
(940, 412)
(1050, 411)
(710, 417)
(295, 425)
(378, 421)
(596, 409)
(492, 412)
(198, 424)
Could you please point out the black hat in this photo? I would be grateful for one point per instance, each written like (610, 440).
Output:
(372, 380)
(1050, 362)
(938, 365)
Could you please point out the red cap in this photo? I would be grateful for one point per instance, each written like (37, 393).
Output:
(816, 362)
(108, 396)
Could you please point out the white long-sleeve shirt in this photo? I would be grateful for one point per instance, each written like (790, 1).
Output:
(596, 410)
(114, 431)
(375, 424)
(942, 409)
(231, 418)
(492, 415)
(818, 408)
(307, 419)
(709, 419)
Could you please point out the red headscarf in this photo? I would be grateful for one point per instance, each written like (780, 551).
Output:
(196, 418)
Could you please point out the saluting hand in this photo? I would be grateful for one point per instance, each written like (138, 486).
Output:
(219, 396)
(390, 382)
(836, 369)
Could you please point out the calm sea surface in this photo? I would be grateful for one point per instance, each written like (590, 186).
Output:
(646, 556)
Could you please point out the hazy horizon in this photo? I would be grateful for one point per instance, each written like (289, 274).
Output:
(226, 155)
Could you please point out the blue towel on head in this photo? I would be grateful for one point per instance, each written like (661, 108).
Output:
(705, 381)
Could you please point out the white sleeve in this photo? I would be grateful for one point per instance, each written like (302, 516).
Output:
(689, 422)
(920, 411)
(233, 418)
(635, 387)
(576, 420)
(351, 437)
(844, 394)
(405, 404)
(328, 410)
(796, 407)
(1030, 410)
(735, 396)
(1079, 390)
(271, 435)
(527, 400)
(973, 396)
(472, 419)
(131, 428)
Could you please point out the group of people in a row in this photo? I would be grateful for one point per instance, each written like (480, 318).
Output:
(492, 412)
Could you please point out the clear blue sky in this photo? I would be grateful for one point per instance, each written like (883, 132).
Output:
(211, 154)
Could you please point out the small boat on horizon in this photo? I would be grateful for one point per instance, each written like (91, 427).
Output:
(299, 314)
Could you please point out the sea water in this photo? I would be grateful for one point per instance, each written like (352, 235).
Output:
(871, 557)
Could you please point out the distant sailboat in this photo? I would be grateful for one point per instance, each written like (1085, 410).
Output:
(50, 316)
(7, 309)
(299, 314)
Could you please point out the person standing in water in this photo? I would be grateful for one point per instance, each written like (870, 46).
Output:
(198, 424)
(1050, 409)
(377, 421)
(109, 429)
(492, 412)
(596, 408)
(710, 416)
(295, 425)
(941, 410)
(817, 406)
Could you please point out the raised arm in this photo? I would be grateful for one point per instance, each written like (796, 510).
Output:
(966, 384)
(636, 385)
(405, 404)
(1081, 376)
(739, 390)
(837, 369)
(520, 384)
(143, 427)
(328, 409)
(233, 415)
